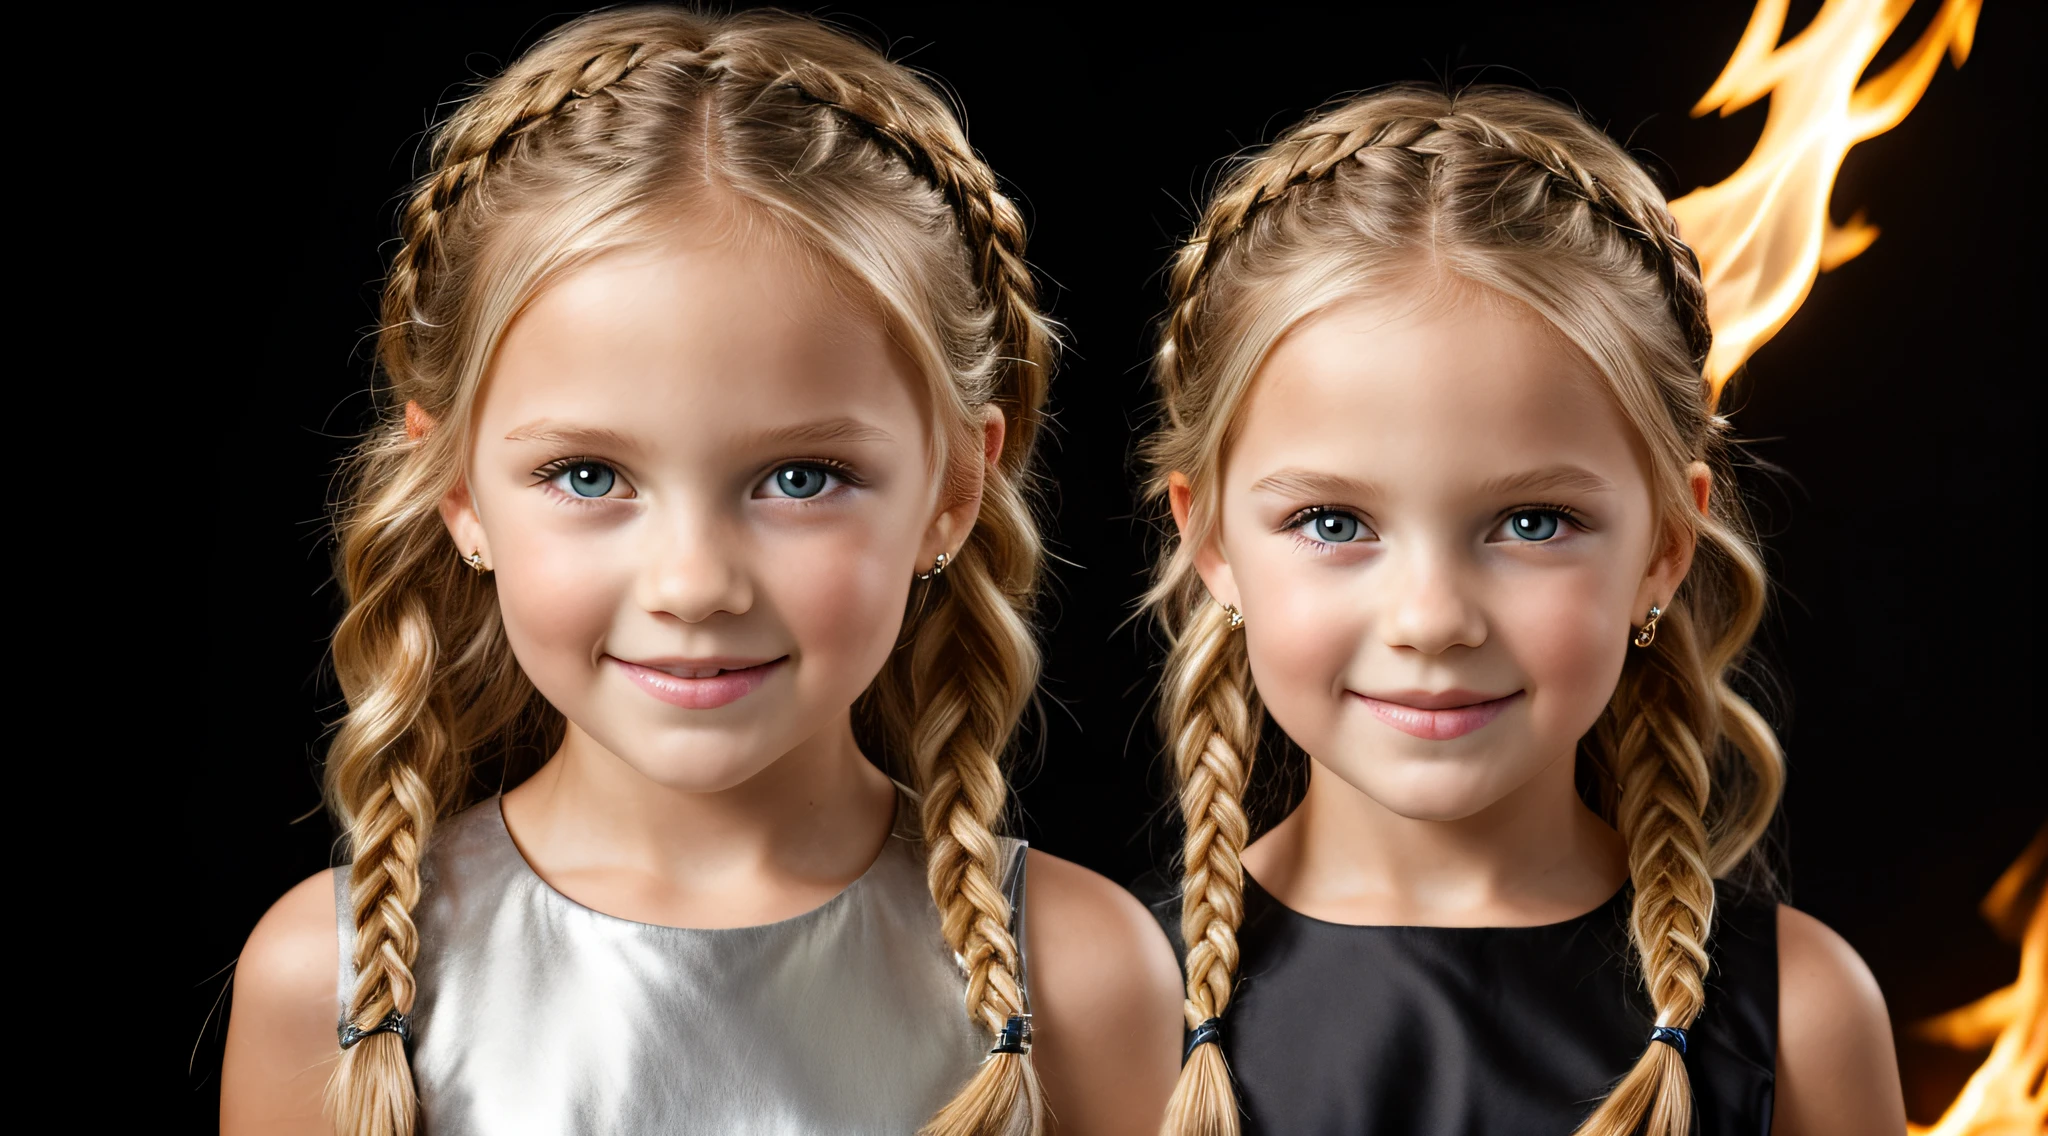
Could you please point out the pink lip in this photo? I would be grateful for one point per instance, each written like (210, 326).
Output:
(736, 679)
(1438, 716)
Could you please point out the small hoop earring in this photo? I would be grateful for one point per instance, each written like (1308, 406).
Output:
(939, 563)
(1647, 633)
(1236, 616)
(475, 560)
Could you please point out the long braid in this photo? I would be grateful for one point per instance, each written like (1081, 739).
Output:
(976, 661)
(1664, 787)
(391, 816)
(1210, 707)
(1486, 182)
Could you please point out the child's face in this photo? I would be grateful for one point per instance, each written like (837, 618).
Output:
(702, 478)
(1438, 527)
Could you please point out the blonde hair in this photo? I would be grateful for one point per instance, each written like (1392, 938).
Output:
(599, 136)
(1507, 190)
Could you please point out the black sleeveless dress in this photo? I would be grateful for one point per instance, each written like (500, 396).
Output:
(1434, 1031)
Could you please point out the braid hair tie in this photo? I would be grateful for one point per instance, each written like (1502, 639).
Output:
(1671, 1036)
(1210, 1032)
(1016, 1035)
(394, 1022)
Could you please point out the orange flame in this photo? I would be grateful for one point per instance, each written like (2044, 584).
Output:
(1763, 234)
(2008, 1094)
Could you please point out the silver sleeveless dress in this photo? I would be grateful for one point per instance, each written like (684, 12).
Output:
(538, 1015)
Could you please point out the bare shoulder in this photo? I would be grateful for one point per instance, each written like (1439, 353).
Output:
(1105, 1000)
(1837, 1072)
(281, 1045)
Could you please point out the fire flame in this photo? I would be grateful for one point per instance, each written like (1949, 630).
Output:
(2007, 1095)
(1764, 234)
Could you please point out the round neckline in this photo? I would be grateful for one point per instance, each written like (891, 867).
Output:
(1619, 895)
(503, 831)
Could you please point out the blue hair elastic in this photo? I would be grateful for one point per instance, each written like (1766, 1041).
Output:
(1671, 1036)
(1016, 1035)
(1209, 1032)
(394, 1022)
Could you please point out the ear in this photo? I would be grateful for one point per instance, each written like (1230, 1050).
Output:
(418, 423)
(962, 505)
(458, 512)
(1668, 569)
(1207, 553)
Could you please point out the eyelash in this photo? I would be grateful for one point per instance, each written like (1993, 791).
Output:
(1301, 520)
(545, 477)
(836, 468)
(1304, 516)
(1564, 511)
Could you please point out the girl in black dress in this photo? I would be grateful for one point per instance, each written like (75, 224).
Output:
(1454, 506)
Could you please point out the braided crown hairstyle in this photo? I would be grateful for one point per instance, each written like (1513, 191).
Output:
(601, 135)
(1508, 190)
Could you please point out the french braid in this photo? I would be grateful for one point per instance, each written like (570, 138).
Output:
(481, 131)
(610, 111)
(1515, 192)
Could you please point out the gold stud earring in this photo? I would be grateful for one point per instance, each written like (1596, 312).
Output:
(939, 563)
(1236, 616)
(1647, 633)
(475, 560)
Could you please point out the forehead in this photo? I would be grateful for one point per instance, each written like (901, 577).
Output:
(691, 335)
(1464, 389)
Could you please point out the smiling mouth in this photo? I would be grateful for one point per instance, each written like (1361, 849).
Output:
(700, 684)
(1440, 722)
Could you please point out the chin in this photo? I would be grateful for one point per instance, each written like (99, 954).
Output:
(702, 770)
(1434, 789)
(703, 760)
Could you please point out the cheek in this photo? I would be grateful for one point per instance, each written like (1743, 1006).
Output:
(1302, 632)
(558, 598)
(840, 592)
(1569, 640)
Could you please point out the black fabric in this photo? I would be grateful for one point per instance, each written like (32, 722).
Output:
(1391, 1031)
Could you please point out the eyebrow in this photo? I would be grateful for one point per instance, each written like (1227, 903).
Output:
(1295, 482)
(1550, 479)
(825, 431)
(569, 434)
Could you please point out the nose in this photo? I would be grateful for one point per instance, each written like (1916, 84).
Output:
(1428, 604)
(693, 568)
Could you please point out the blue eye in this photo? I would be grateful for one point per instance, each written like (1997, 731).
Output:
(1333, 528)
(799, 481)
(588, 478)
(1534, 526)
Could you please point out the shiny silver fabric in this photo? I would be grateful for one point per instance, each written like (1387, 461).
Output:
(537, 1015)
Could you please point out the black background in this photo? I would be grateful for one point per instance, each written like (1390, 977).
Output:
(1901, 407)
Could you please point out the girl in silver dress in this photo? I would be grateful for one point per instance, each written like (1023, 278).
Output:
(711, 345)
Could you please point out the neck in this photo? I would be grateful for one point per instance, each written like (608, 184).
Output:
(775, 845)
(1537, 855)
